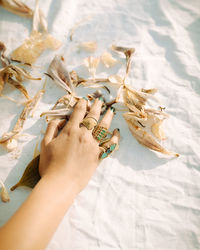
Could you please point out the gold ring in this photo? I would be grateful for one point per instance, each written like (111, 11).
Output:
(89, 123)
(100, 133)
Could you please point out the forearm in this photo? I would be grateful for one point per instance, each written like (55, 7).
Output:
(33, 225)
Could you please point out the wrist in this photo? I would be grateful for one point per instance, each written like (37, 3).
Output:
(59, 184)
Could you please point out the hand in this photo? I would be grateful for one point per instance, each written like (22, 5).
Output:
(74, 153)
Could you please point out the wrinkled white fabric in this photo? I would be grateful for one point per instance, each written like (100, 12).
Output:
(137, 199)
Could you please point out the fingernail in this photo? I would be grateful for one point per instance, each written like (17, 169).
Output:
(112, 109)
(85, 98)
(101, 98)
(118, 129)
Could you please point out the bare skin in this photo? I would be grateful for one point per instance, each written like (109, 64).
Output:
(67, 162)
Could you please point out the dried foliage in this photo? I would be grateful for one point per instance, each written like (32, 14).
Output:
(108, 60)
(30, 176)
(17, 7)
(89, 46)
(15, 76)
(4, 193)
(37, 42)
(91, 63)
(30, 105)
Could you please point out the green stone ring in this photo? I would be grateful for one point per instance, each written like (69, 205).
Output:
(107, 151)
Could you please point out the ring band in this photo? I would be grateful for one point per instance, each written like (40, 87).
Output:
(89, 123)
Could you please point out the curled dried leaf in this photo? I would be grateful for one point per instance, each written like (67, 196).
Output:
(108, 60)
(58, 72)
(91, 63)
(146, 139)
(90, 46)
(4, 193)
(30, 176)
(17, 7)
(15, 76)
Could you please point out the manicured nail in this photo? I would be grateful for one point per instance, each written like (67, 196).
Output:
(85, 98)
(118, 129)
(112, 109)
(101, 98)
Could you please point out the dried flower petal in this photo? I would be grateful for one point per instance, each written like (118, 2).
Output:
(128, 52)
(4, 193)
(146, 139)
(33, 47)
(57, 70)
(17, 7)
(11, 145)
(91, 63)
(108, 60)
(37, 42)
(157, 130)
(115, 79)
(89, 46)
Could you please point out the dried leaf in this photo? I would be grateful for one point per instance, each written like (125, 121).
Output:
(146, 139)
(30, 176)
(15, 76)
(89, 46)
(58, 72)
(33, 47)
(37, 42)
(4, 193)
(128, 52)
(108, 60)
(157, 130)
(17, 7)
(29, 106)
(91, 63)
(4, 60)
(115, 79)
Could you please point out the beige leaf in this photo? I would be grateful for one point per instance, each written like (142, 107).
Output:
(108, 60)
(89, 46)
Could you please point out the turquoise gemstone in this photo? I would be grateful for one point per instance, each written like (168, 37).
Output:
(112, 147)
(104, 155)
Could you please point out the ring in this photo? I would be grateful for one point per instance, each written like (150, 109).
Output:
(107, 151)
(99, 133)
(89, 123)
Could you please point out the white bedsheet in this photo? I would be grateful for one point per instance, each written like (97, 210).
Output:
(137, 199)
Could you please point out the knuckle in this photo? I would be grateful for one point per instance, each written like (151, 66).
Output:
(84, 138)
(72, 131)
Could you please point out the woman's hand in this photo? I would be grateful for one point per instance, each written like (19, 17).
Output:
(74, 153)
